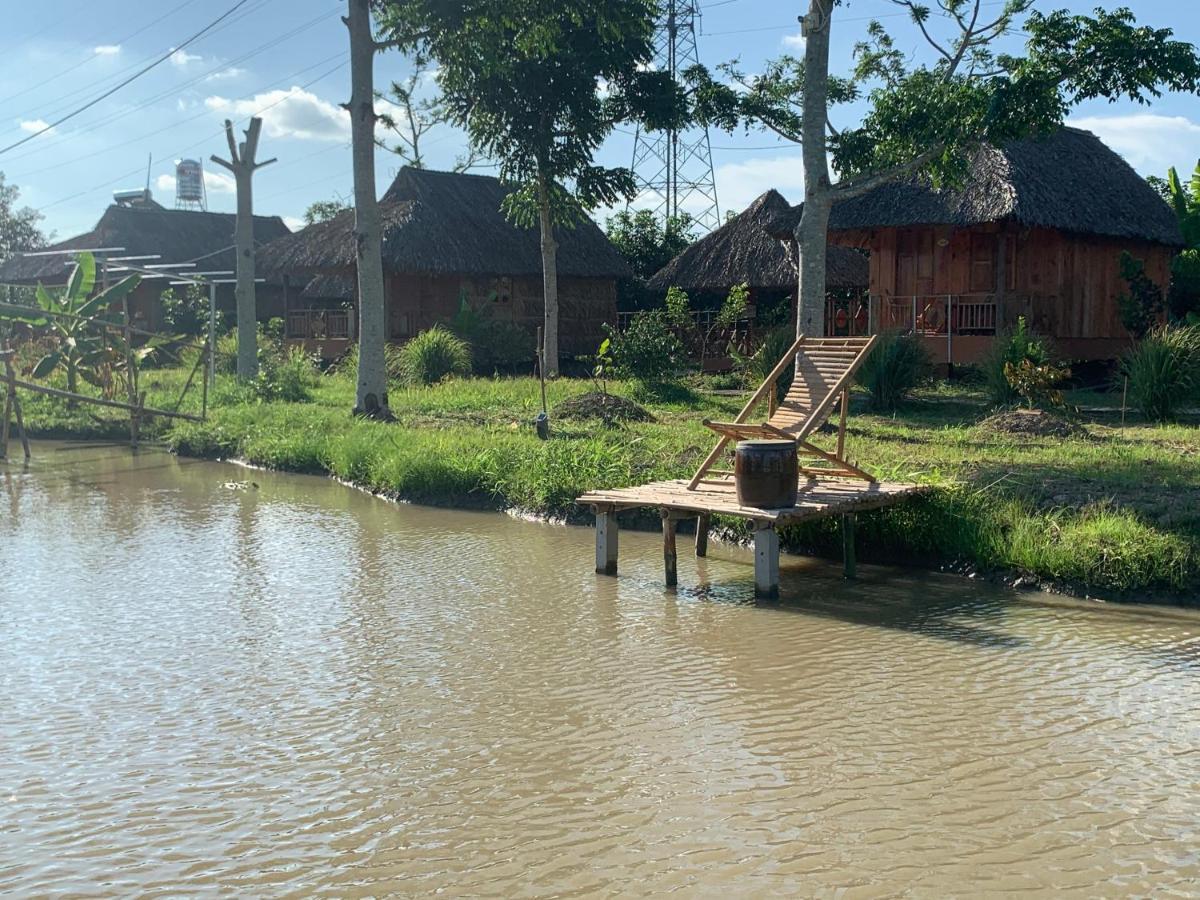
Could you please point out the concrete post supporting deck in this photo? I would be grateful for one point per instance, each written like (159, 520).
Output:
(766, 561)
(670, 557)
(848, 550)
(606, 542)
(703, 523)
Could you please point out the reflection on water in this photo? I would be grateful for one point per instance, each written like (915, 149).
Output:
(297, 688)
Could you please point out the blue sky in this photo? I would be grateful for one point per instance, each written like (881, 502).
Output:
(288, 58)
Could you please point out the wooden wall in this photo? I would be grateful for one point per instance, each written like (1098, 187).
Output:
(1066, 285)
(417, 302)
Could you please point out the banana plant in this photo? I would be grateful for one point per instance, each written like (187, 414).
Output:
(77, 323)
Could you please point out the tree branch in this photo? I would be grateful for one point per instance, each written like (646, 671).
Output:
(844, 190)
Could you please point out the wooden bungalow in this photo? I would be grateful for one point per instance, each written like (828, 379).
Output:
(1036, 229)
(744, 251)
(177, 236)
(446, 241)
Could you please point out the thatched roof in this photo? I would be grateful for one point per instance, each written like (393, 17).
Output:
(330, 287)
(1069, 181)
(742, 251)
(176, 235)
(447, 223)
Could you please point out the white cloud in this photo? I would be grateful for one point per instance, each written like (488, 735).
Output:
(214, 183)
(226, 74)
(107, 50)
(33, 126)
(1150, 143)
(794, 41)
(182, 58)
(740, 183)
(294, 223)
(296, 114)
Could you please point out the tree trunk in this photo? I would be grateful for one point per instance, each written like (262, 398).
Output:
(247, 312)
(549, 283)
(813, 231)
(371, 396)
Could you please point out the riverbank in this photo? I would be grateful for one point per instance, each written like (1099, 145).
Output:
(1113, 511)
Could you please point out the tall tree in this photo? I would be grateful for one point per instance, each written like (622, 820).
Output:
(538, 85)
(19, 225)
(324, 210)
(647, 242)
(926, 117)
(370, 397)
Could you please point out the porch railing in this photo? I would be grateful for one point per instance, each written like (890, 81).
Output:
(934, 314)
(319, 325)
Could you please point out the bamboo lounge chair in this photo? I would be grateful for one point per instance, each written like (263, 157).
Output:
(824, 369)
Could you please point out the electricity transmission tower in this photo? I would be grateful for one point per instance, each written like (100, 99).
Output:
(673, 169)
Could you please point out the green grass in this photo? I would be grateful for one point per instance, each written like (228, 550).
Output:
(1117, 513)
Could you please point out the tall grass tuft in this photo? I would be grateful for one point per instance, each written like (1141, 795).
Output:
(433, 356)
(758, 365)
(1163, 370)
(897, 364)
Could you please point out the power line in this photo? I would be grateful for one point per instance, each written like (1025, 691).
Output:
(129, 80)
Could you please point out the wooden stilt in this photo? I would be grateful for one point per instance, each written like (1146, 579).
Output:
(703, 523)
(606, 542)
(766, 561)
(670, 557)
(8, 411)
(21, 433)
(12, 404)
(849, 557)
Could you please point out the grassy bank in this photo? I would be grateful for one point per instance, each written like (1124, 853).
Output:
(1113, 512)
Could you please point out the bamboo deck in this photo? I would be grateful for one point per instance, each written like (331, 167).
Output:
(818, 498)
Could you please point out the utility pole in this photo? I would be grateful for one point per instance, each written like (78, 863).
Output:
(672, 168)
(371, 394)
(242, 163)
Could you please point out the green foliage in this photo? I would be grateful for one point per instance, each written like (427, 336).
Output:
(19, 225)
(758, 365)
(648, 350)
(496, 345)
(897, 365)
(1012, 349)
(185, 311)
(647, 242)
(80, 326)
(1037, 383)
(1183, 296)
(520, 77)
(434, 355)
(324, 210)
(287, 377)
(1163, 371)
(1142, 308)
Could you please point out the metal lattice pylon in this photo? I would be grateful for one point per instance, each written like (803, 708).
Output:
(674, 169)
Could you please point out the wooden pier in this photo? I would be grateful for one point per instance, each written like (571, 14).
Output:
(818, 498)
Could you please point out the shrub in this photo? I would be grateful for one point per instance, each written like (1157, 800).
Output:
(287, 377)
(1011, 349)
(1163, 371)
(897, 364)
(434, 355)
(1037, 384)
(647, 350)
(1143, 306)
(496, 345)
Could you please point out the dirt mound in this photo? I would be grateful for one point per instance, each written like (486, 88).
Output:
(606, 408)
(1031, 423)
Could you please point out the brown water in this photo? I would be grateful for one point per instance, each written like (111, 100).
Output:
(300, 689)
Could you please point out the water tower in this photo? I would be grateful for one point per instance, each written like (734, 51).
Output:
(189, 185)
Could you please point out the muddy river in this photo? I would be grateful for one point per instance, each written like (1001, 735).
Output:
(287, 687)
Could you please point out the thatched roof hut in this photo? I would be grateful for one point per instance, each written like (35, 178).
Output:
(744, 251)
(174, 234)
(1069, 181)
(442, 223)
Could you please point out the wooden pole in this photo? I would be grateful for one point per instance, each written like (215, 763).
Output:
(670, 525)
(9, 392)
(15, 402)
(606, 541)
(841, 443)
(703, 524)
(243, 164)
(100, 401)
(849, 559)
(766, 561)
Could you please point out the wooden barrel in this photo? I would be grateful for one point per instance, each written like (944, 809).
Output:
(766, 473)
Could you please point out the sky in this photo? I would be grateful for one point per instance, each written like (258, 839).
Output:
(287, 60)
